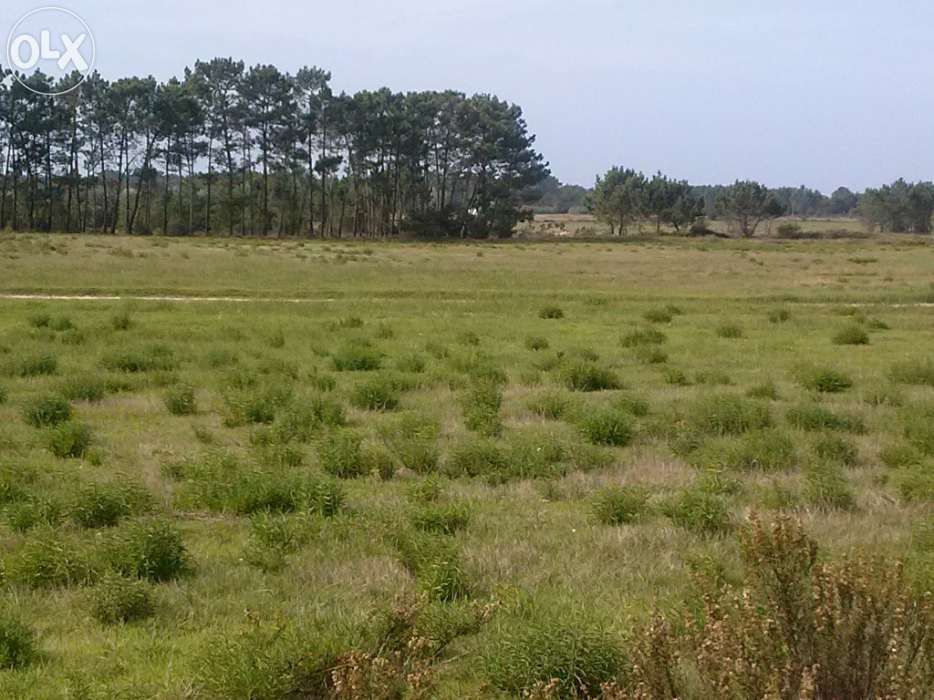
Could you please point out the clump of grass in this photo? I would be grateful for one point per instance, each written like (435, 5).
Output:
(301, 420)
(154, 358)
(898, 455)
(608, 426)
(676, 377)
(413, 440)
(411, 363)
(650, 355)
(118, 599)
(375, 395)
(39, 320)
(825, 380)
(536, 343)
(121, 321)
(47, 560)
(713, 377)
(552, 405)
(149, 549)
(277, 339)
(919, 428)
(779, 315)
(441, 518)
(826, 487)
(469, 338)
(551, 312)
(700, 511)
(761, 450)
(180, 400)
(340, 454)
(814, 418)
(86, 387)
(633, 405)
(588, 377)
(728, 414)
(557, 656)
(658, 316)
(730, 331)
(766, 390)
(647, 336)
(620, 505)
(18, 643)
(356, 357)
(256, 404)
(916, 484)
(851, 335)
(32, 512)
(273, 537)
(4, 394)
(69, 440)
(34, 365)
(835, 448)
(47, 411)
(915, 372)
(477, 457)
(481, 405)
(436, 563)
(105, 505)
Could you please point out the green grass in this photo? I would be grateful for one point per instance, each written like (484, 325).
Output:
(230, 499)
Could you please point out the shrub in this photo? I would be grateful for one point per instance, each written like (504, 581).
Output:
(834, 448)
(259, 404)
(376, 395)
(647, 336)
(571, 657)
(118, 599)
(713, 377)
(779, 315)
(608, 427)
(789, 230)
(18, 644)
(767, 390)
(149, 549)
(104, 505)
(588, 377)
(481, 405)
(851, 335)
(536, 343)
(441, 519)
(356, 357)
(813, 418)
(916, 372)
(477, 457)
(33, 512)
(826, 487)
(436, 564)
(728, 414)
(700, 511)
(301, 420)
(658, 316)
(273, 536)
(84, 388)
(341, 455)
(69, 439)
(825, 380)
(34, 365)
(551, 312)
(550, 404)
(413, 439)
(155, 358)
(729, 330)
(47, 560)
(47, 411)
(40, 320)
(619, 506)
(180, 400)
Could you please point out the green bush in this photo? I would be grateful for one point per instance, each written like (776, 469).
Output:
(728, 414)
(340, 453)
(356, 357)
(572, 656)
(477, 457)
(104, 505)
(916, 484)
(713, 377)
(49, 560)
(413, 440)
(536, 343)
(481, 405)
(117, 599)
(608, 426)
(37, 365)
(121, 321)
(32, 512)
(588, 377)
(149, 549)
(18, 643)
(84, 388)
(4, 394)
(256, 404)
(834, 448)
(763, 450)
(180, 400)
(730, 331)
(814, 418)
(620, 505)
(826, 487)
(441, 519)
(551, 312)
(436, 563)
(825, 380)
(676, 377)
(69, 439)
(47, 411)
(551, 404)
(700, 511)
(301, 420)
(851, 335)
(882, 395)
(376, 395)
(916, 372)
(899, 455)
(632, 405)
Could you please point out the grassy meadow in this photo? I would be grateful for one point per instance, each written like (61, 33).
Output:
(525, 469)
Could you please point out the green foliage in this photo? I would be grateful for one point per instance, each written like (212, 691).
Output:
(588, 377)
(764, 449)
(730, 331)
(826, 487)
(899, 455)
(356, 357)
(413, 440)
(48, 560)
(658, 316)
(851, 335)
(620, 505)
(919, 428)
(835, 448)
(481, 405)
(916, 483)
(411, 363)
(441, 518)
(700, 511)
(728, 414)
(551, 312)
(340, 454)
(117, 599)
(477, 457)
(121, 321)
(608, 426)
(149, 549)
(813, 418)
(69, 439)
(536, 343)
(33, 365)
(86, 387)
(153, 358)
(375, 395)
(47, 411)
(916, 372)
(825, 380)
(435, 562)
(766, 390)
(646, 336)
(104, 505)
(32, 512)
(650, 355)
(551, 404)
(18, 643)
(779, 315)
(180, 400)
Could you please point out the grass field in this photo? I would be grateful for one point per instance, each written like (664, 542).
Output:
(444, 470)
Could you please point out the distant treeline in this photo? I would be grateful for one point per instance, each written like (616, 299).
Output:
(253, 150)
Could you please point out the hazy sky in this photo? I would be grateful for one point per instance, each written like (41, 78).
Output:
(823, 93)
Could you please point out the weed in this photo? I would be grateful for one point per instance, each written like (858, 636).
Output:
(608, 426)
(851, 335)
(180, 400)
(825, 380)
(813, 418)
(728, 414)
(69, 439)
(18, 643)
(588, 377)
(375, 395)
(47, 411)
(619, 505)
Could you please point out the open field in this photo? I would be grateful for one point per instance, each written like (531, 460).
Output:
(439, 470)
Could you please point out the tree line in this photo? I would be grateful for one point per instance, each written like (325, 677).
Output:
(242, 150)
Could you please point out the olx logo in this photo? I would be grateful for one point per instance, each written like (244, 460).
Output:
(55, 42)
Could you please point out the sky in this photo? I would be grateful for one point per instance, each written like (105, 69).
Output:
(822, 93)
